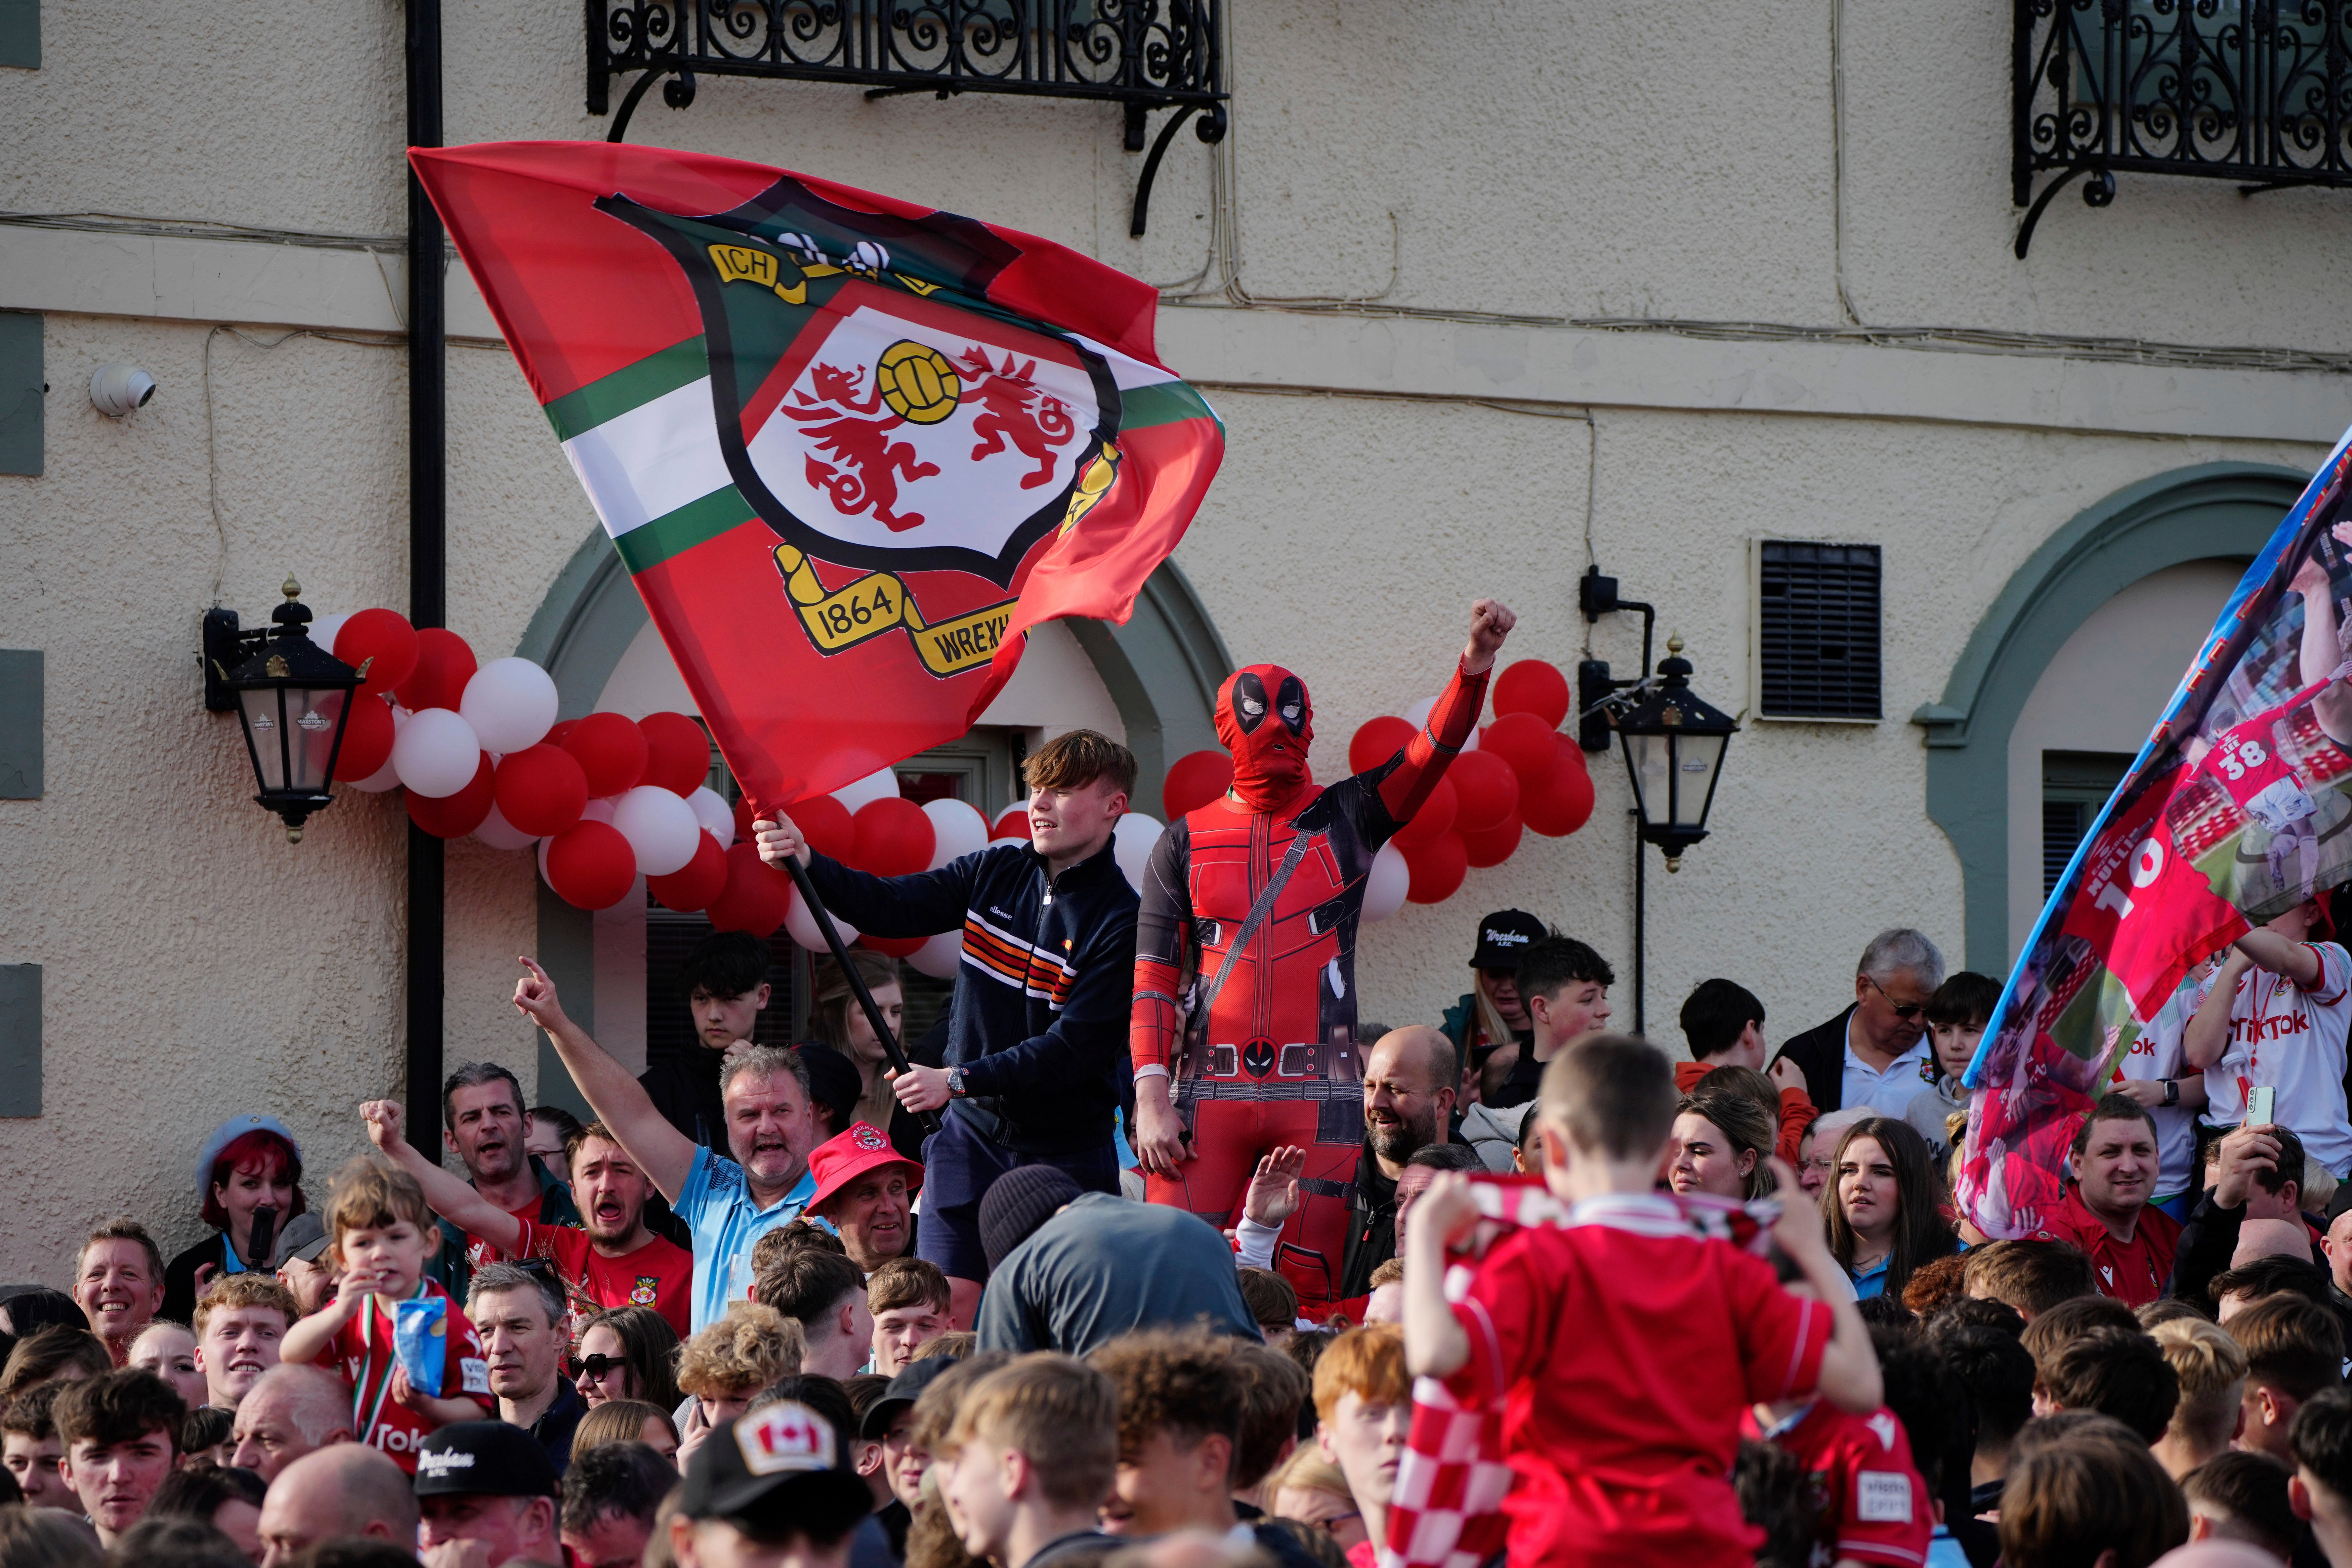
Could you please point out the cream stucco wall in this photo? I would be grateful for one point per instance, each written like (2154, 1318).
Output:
(1615, 159)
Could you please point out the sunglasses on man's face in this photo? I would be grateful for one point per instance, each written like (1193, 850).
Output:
(1907, 1011)
(598, 1367)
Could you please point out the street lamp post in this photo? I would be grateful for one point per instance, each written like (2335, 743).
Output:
(293, 699)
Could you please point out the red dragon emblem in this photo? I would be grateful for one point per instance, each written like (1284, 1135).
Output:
(871, 463)
(1016, 411)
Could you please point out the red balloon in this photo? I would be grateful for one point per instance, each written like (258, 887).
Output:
(895, 837)
(1533, 686)
(1437, 869)
(826, 824)
(453, 815)
(1013, 822)
(610, 750)
(444, 665)
(1196, 779)
(894, 946)
(1486, 789)
(554, 737)
(367, 738)
(1378, 740)
(677, 753)
(755, 897)
(590, 866)
(1496, 845)
(1434, 817)
(1527, 742)
(1563, 803)
(387, 637)
(696, 884)
(540, 789)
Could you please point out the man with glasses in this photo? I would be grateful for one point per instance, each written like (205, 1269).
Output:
(1875, 1054)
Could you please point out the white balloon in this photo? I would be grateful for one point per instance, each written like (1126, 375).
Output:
(1019, 808)
(957, 830)
(435, 753)
(499, 834)
(1132, 841)
(660, 827)
(880, 784)
(600, 809)
(711, 810)
(1386, 884)
(802, 925)
(510, 703)
(1418, 717)
(322, 630)
(542, 857)
(940, 956)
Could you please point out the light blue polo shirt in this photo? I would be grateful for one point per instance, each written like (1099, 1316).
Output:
(716, 1204)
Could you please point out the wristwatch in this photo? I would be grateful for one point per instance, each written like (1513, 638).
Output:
(955, 1083)
(2172, 1091)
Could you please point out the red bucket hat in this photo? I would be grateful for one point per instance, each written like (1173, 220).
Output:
(842, 1158)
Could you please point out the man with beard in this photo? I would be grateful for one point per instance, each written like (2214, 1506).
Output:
(727, 1204)
(613, 1262)
(486, 1128)
(1409, 1094)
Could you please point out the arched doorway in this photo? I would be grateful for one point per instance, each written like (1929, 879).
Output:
(1153, 683)
(2158, 547)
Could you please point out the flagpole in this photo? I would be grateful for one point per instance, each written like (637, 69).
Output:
(866, 1002)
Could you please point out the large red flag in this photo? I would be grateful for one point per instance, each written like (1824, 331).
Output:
(851, 448)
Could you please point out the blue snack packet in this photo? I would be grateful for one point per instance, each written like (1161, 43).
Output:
(420, 1337)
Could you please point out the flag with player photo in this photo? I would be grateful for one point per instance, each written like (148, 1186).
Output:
(850, 448)
(2234, 812)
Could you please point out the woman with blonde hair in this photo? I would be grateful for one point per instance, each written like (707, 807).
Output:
(837, 1021)
(1309, 1489)
(626, 1421)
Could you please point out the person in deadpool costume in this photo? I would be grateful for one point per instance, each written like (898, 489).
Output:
(1256, 896)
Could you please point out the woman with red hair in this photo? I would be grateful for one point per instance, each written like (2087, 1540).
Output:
(250, 1163)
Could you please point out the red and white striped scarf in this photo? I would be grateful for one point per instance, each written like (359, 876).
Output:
(1446, 1507)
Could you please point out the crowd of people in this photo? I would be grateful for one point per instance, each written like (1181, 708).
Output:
(1091, 1275)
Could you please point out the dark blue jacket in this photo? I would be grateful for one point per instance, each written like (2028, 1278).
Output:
(1039, 1019)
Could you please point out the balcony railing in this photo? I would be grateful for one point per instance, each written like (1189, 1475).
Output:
(2255, 92)
(1142, 54)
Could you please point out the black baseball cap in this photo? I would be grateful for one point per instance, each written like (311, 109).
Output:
(1502, 939)
(776, 1471)
(905, 1389)
(304, 1237)
(485, 1458)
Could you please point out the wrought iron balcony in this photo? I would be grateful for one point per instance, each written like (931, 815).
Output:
(1143, 53)
(2256, 91)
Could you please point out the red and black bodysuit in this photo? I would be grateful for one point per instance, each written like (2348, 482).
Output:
(1266, 1055)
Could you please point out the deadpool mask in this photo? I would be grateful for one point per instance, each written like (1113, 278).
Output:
(1265, 720)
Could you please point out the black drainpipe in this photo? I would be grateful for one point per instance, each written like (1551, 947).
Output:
(428, 561)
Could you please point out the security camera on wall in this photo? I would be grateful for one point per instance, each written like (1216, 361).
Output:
(119, 389)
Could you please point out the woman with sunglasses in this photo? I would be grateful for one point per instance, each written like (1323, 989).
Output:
(627, 1352)
(1873, 1056)
(1879, 1205)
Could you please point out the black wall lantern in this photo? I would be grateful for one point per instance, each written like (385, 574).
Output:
(293, 699)
(1674, 742)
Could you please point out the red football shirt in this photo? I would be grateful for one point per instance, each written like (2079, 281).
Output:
(364, 1354)
(2134, 1273)
(1625, 1350)
(659, 1275)
(1868, 1501)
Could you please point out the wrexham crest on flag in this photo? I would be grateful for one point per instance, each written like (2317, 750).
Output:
(884, 419)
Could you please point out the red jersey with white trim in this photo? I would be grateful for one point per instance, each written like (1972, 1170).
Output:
(659, 1275)
(2134, 1272)
(1869, 1502)
(363, 1355)
(1626, 1351)
(2292, 1040)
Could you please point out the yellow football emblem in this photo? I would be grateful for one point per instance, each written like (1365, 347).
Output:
(918, 382)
